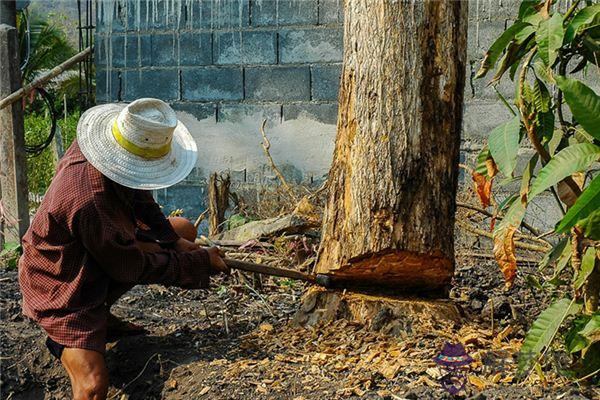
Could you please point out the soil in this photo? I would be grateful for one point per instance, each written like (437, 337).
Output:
(235, 342)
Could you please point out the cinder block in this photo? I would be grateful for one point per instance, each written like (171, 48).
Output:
(210, 84)
(284, 12)
(325, 81)
(481, 116)
(188, 196)
(165, 51)
(331, 11)
(110, 17)
(257, 112)
(108, 86)
(195, 48)
(479, 88)
(162, 84)
(481, 36)
(245, 47)
(311, 45)
(164, 14)
(322, 112)
(138, 51)
(215, 14)
(199, 110)
(278, 83)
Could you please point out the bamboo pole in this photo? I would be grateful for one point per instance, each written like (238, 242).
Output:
(40, 81)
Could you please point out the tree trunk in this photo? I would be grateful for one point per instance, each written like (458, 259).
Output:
(389, 218)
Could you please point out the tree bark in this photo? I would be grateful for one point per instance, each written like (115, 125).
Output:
(389, 218)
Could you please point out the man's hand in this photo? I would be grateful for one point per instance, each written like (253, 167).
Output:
(185, 245)
(216, 260)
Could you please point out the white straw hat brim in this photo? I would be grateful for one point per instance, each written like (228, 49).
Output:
(100, 148)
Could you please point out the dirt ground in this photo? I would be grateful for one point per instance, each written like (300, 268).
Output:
(237, 342)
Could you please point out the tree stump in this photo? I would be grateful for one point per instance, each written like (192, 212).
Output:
(387, 314)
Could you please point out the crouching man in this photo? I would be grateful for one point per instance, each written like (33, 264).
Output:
(99, 232)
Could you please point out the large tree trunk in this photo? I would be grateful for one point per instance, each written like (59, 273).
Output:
(389, 218)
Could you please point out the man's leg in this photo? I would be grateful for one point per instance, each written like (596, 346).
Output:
(88, 374)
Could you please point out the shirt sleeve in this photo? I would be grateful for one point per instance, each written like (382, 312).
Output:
(118, 255)
(148, 211)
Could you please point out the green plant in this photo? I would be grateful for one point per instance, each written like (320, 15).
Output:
(9, 255)
(40, 169)
(542, 51)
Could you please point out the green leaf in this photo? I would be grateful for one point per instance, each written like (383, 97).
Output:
(504, 143)
(591, 331)
(587, 202)
(587, 266)
(574, 341)
(590, 225)
(527, 174)
(566, 162)
(507, 202)
(545, 125)
(543, 330)
(527, 8)
(541, 97)
(581, 19)
(554, 253)
(549, 38)
(483, 155)
(496, 49)
(583, 102)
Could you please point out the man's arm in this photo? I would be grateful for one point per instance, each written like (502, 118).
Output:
(119, 256)
(148, 211)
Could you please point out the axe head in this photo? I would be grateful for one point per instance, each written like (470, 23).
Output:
(323, 280)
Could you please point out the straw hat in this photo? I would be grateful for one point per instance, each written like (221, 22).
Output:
(140, 145)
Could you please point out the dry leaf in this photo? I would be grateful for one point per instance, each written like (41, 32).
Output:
(266, 328)
(172, 384)
(479, 383)
(204, 390)
(483, 187)
(504, 252)
(492, 168)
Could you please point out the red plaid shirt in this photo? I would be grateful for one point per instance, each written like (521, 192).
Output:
(81, 244)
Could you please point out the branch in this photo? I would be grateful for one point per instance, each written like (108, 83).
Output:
(481, 232)
(266, 146)
(489, 214)
(53, 73)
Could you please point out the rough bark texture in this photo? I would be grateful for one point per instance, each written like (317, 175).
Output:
(218, 201)
(389, 218)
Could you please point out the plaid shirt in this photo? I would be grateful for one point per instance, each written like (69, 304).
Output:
(81, 245)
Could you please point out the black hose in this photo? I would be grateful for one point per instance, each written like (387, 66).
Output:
(36, 149)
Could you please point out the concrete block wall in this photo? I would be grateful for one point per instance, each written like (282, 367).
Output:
(224, 65)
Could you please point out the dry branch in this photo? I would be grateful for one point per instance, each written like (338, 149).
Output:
(266, 145)
(481, 232)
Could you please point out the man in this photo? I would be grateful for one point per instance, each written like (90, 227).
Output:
(99, 232)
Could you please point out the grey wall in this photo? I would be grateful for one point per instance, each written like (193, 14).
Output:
(227, 64)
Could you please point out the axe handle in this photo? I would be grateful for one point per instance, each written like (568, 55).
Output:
(268, 270)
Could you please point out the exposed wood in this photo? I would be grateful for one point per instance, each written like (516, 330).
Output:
(14, 95)
(218, 202)
(389, 218)
(13, 177)
(387, 314)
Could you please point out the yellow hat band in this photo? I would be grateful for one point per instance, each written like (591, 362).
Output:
(137, 150)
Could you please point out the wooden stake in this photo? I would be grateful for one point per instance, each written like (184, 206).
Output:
(13, 177)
